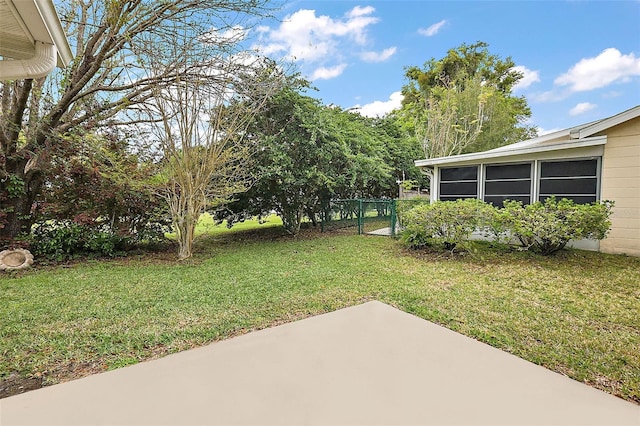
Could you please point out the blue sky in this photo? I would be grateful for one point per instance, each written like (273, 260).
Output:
(581, 59)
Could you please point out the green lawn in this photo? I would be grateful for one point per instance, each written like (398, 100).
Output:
(207, 227)
(577, 313)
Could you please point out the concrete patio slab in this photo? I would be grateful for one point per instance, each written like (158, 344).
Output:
(383, 232)
(366, 365)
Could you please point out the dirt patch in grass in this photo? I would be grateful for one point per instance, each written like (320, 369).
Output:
(16, 384)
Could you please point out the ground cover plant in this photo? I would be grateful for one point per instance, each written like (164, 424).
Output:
(577, 313)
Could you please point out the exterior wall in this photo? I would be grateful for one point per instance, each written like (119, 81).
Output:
(621, 183)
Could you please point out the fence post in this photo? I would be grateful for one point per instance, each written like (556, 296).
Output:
(360, 217)
(394, 218)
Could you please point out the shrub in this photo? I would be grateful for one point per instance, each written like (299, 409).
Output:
(449, 223)
(495, 225)
(62, 240)
(96, 181)
(547, 227)
(405, 205)
(543, 228)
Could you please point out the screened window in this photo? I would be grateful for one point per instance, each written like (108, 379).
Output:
(576, 180)
(507, 182)
(458, 182)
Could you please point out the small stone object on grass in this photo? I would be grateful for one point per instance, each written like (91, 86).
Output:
(16, 259)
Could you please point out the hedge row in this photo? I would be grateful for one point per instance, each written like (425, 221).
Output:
(542, 227)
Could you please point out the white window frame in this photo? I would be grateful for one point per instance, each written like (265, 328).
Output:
(598, 175)
(532, 175)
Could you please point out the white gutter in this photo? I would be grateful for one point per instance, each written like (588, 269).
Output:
(43, 62)
(56, 32)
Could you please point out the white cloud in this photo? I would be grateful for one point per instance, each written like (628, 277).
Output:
(381, 108)
(529, 77)
(324, 73)
(433, 29)
(303, 36)
(360, 11)
(581, 108)
(550, 96)
(612, 94)
(378, 56)
(230, 35)
(542, 132)
(592, 73)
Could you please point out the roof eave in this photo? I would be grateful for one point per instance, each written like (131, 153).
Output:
(40, 21)
(488, 155)
(607, 123)
(54, 26)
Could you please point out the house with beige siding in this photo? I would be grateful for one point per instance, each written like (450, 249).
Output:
(595, 161)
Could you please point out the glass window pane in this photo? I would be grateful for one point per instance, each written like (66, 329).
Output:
(569, 168)
(459, 173)
(458, 188)
(499, 200)
(577, 200)
(509, 171)
(569, 186)
(508, 187)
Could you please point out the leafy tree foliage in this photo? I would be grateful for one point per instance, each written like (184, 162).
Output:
(201, 138)
(108, 79)
(103, 186)
(306, 154)
(401, 149)
(464, 102)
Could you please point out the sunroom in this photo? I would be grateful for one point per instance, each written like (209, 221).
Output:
(592, 162)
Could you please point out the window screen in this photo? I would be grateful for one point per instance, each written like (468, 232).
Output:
(507, 182)
(458, 182)
(576, 180)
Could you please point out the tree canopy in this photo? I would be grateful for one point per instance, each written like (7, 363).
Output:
(106, 82)
(464, 102)
(307, 154)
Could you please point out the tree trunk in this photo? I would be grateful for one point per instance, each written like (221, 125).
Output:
(185, 224)
(291, 220)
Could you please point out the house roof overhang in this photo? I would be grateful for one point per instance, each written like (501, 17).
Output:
(602, 125)
(523, 150)
(575, 137)
(31, 38)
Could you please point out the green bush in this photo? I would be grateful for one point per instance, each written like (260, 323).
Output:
(63, 240)
(447, 223)
(495, 225)
(542, 228)
(547, 227)
(405, 205)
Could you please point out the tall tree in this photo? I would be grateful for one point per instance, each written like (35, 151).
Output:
(114, 40)
(307, 154)
(401, 150)
(464, 102)
(201, 138)
(450, 119)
